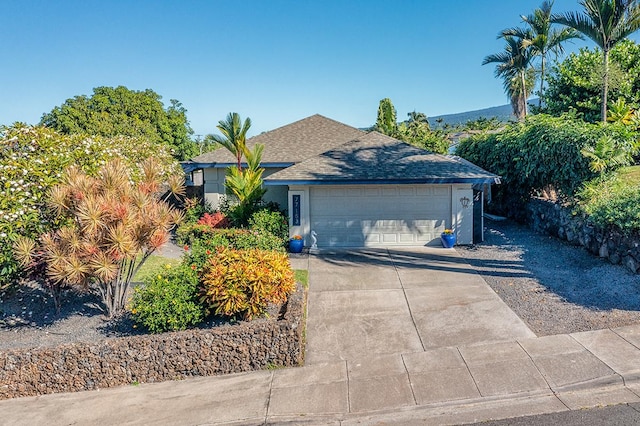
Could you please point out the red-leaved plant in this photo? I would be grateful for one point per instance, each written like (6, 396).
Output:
(216, 220)
(112, 227)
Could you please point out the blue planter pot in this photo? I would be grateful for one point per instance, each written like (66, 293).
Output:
(448, 240)
(296, 246)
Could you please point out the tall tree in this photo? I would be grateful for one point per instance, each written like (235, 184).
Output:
(387, 121)
(119, 111)
(418, 119)
(514, 66)
(234, 136)
(575, 83)
(607, 23)
(541, 37)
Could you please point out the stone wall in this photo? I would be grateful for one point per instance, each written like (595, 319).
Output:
(557, 220)
(152, 358)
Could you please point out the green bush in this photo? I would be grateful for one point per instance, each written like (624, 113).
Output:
(613, 200)
(9, 267)
(540, 154)
(33, 159)
(245, 282)
(205, 244)
(168, 301)
(274, 222)
(194, 209)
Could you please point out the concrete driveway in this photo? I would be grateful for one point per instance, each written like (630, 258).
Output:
(390, 301)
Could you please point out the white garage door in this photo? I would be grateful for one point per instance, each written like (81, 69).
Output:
(369, 215)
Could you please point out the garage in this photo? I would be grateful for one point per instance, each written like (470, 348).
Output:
(346, 216)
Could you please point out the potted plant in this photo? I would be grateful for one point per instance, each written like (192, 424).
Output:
(296, 243)
(448, 238)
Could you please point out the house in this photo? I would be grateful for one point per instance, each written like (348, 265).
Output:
(356, 188)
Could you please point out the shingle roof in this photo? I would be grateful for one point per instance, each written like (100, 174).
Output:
(376, 158)
(294, 142)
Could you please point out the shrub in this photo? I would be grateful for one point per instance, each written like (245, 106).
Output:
(245, 282)
(9, 267)
(111, 227)
(613, 201)
(540, 155)
(168, 301)
(33, 159)
(215, 220)
(232, 237)
(194, 209)
(270, 221)
(208, 243)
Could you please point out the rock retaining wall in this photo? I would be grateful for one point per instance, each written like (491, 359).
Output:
(152, 358)
(554, 219)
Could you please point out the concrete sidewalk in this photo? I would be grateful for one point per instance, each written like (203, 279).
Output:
(377, 353)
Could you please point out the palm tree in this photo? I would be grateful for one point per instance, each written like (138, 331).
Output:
(514, 66)
(606, 22)
(541, 37)
(418, 119)
(234, 135)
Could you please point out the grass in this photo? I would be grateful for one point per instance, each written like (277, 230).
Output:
(630, 174)
(301, 276)
(154, 264)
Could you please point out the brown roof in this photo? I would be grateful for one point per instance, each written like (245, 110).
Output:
(376, 158)
(294, 142)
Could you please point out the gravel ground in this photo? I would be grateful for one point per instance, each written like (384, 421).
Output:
(28, 317)
(553, 286)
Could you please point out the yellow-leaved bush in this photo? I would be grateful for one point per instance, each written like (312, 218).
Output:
(245, 282)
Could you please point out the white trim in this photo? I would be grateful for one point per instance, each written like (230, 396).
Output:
(303, 228)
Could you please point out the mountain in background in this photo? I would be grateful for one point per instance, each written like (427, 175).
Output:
(503, 113)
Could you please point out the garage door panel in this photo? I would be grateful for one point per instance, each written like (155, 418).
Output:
(408, 191)
(379, 215)
(389, 238)
(368, 191)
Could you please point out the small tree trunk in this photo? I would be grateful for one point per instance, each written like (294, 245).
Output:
(523, 100)
(541, 82)
(605, 85)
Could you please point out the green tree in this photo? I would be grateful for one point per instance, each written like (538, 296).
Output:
(245, 185)
(234, 136)
(542, 38)
(122, 112)
(607, 23)
(514, 66)
(387, 121)
(576, 82)
(415, 130)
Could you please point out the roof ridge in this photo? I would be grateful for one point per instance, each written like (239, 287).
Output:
(303, 119)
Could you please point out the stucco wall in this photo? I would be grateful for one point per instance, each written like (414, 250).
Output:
(214, 187)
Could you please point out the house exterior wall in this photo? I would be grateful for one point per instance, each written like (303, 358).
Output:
(214, 188)
(275, 193)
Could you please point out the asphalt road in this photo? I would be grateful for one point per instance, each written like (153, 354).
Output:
(624, 414)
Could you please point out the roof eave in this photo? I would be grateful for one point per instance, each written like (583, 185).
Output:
(189, 166)
(477, 180)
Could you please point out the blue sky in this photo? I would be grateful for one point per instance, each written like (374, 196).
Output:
(273, 61)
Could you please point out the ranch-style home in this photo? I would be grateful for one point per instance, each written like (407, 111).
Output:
(357, 188)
